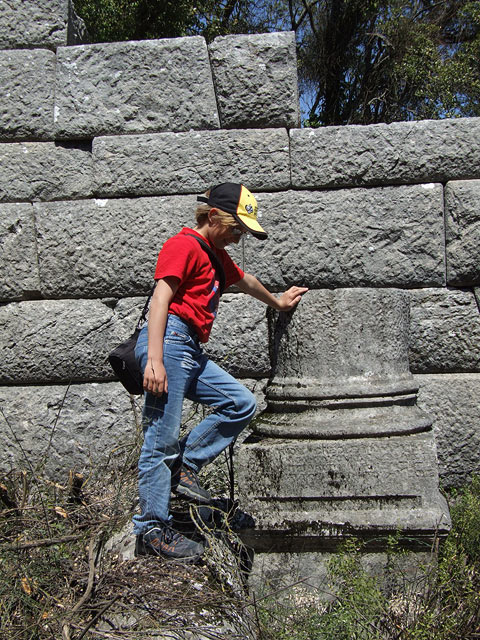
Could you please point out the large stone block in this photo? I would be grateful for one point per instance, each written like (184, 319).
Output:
(18, 260)
(81, 427)
(452, 401)
(444, 331)
(391, 236)
(69, 340)
(91, 248)
(239, 338)
(169, 163)
(55, 341)
(401, 152)
(134, 87)
(463, 232)
(44, 171)
(256, 80)
(27, 97)
(39, 23)
(303, 490)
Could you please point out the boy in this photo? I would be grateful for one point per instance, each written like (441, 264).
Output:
(182, 311)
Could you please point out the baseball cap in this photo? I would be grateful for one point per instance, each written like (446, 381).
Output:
(236, 199)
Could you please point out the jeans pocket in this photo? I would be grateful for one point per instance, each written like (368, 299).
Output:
(174, 336)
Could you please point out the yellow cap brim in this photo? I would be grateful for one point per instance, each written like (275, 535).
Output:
(246, 213)
(252, 226)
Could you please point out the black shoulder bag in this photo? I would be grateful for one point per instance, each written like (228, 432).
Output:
(122, 358)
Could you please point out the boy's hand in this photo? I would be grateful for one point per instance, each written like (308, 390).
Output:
(155, 378)
(289, 300)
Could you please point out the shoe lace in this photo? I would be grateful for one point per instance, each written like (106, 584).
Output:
(189, 475)
(169, 534)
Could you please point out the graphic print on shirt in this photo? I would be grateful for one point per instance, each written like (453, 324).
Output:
(214, 295)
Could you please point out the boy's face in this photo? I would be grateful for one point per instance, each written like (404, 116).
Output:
(221, 236)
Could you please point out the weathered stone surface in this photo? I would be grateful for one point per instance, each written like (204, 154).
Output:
(452, 401)
(256, 80)
(444, 331)
(134, 87)
(18, 258)
(401, 152)
(27, 96)
(169, 163)
(463, 232)
(65, 428)
(105, 247)
(322, 488)
(392, 236)
(344, 344)
(55, 341)
(42, 23)
(44, 171)
(76, 427)
(109, 247)
(69, 340)
(239, 338)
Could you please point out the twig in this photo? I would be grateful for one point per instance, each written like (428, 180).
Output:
(93, 549)
(255, 608)
(99, 614)
(27, 459)
(48, 542)
(44, 457)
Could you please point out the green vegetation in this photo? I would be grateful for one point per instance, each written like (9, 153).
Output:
(58, 581)
(360, 62)
(441, 601)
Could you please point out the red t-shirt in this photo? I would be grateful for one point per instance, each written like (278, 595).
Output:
(197, 296)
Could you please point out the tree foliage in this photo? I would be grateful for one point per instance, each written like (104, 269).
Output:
(360, 61)
(369, 61)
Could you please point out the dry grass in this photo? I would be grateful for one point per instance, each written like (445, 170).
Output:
(57, 580)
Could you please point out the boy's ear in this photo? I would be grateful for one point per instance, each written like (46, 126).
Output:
(211, 214)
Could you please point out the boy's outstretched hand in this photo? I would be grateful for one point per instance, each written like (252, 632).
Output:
(290, 298)
(285, 302)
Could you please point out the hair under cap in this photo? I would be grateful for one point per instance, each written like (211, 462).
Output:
(237, 200)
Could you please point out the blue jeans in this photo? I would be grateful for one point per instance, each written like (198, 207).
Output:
(190, 375)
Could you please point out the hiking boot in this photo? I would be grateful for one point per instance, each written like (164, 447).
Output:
(165, 541)
(188, 486)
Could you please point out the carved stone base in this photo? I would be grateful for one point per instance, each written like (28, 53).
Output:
(308, 495)
(343, 449)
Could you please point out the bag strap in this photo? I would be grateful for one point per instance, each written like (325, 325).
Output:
(143, 315)
(217, 265)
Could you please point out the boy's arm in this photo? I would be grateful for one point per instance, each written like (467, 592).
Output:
(155, 377)
(285, 302)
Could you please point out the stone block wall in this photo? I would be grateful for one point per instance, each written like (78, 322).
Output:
(103, 150)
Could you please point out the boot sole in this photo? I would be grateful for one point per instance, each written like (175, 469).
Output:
(141, 551)
(185, 492)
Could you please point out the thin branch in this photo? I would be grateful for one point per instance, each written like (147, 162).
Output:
(99, 614)
(48, 542)
(43, 458)
(93, 549)
(27, 459)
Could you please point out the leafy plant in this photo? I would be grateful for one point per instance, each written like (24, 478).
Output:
(438, 601)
